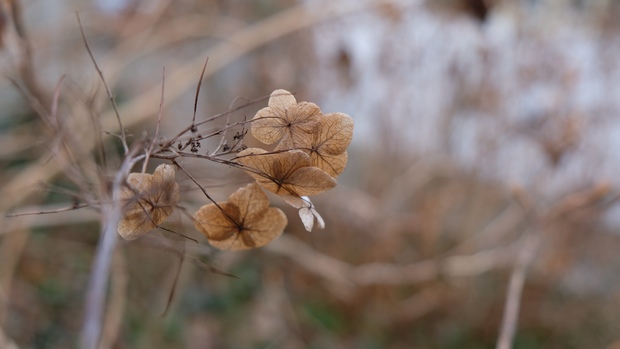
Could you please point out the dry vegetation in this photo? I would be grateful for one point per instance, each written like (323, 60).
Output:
(476, 209)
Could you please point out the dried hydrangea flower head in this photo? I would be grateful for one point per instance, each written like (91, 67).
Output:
(302, 126)
(311, 152)
(286, 121)
(148, 200)
(285, 173)
(243, 222)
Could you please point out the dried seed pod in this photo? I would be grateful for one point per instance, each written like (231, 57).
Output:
(148, 200)
(243, 222)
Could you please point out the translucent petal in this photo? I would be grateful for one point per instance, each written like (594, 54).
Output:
(332, 164)
(285, 173)
(280, 100)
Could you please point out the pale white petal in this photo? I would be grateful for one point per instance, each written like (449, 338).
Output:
(319, 219)
(306, 218)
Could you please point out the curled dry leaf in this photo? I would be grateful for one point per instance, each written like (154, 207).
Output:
(329, 142)
(307, 212)
(286, 121)
(243, 222)
(148, 199)
(285, 173)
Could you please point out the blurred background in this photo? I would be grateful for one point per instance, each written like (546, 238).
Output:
(485, 148)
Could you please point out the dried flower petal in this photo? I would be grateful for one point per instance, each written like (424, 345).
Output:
(280, 100)
(329, 143)
(307, 212)
(245, 221)
(148, 201)
(332, 164)
(335, 133)
(286, 121)
(285, 173)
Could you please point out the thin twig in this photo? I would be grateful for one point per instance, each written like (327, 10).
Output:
(392, 274)
(72, 167)
(54, 109)
(202, 74)
(176, 138)
(204, 191)
(17, 44)
(175, 281)
(224, 131)
(515, 290)
(510, 318)
(161, 106)
(64, 209)
(109, 92)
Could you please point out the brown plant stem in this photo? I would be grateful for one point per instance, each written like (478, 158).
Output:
(105, 84)
(376, 273)
(515, 289)
(97, 283)
(118, 298)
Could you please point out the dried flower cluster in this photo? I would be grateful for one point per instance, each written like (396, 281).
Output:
(310, 151)
(324, 138)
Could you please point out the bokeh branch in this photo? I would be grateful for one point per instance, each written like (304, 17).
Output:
(97, 285)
